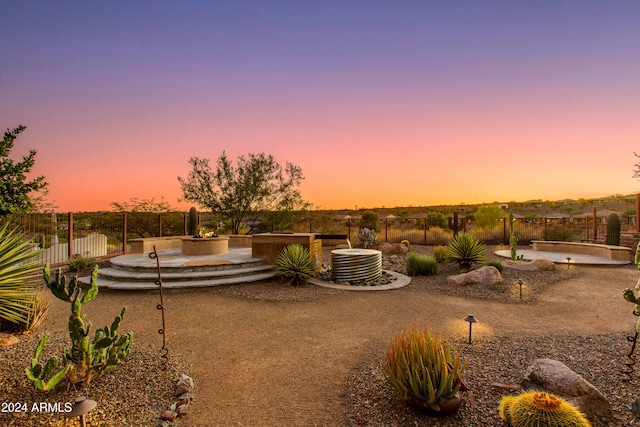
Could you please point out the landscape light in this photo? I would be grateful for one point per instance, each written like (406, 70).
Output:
(520, 282)
(80, 408)
(471, 319)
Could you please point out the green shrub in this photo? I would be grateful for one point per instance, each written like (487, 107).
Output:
(423, 366)
(558, 233)
(294, 264)
(421, 265)
(440, 253)
(370, 220)
(78, 262)
(497, 264)
(465, 250)
(437, 219)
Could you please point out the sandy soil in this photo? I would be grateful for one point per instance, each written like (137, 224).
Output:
(284, 361)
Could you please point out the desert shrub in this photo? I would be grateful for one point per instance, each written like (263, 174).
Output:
(367, 237)
(440, 253)
(437, 219)
(421, 265)
(438, 236)
(488, 216)
(558, 233)
(78, 262)
(497, 264)
(294, 264)
(370, 220)
(465, 250)
(423, 366)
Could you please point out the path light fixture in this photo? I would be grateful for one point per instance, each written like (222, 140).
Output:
(471, 319)
(80, 408)
(520, 282)
(568, 262)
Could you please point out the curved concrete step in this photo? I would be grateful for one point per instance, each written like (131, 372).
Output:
(115, 274)
(146, 286)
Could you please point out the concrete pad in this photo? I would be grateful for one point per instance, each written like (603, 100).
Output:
(564, 258)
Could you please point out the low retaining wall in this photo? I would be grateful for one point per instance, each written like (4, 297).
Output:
(618, 253)
(145, 245)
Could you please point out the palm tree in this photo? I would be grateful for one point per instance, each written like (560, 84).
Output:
(19, 274)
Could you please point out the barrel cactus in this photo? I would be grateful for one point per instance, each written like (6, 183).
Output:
(537, 409)
(613, 229)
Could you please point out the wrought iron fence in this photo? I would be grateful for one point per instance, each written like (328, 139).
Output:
(98, 234)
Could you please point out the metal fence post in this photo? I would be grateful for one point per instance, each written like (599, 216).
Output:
(425, 231)
(595, 225)
(504, 230)
(186, 230)
(124, 232)
(70, 236)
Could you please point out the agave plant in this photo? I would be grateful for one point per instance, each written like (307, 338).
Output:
(19, 276)
(294, 264)
(423, 368)
(466, 250)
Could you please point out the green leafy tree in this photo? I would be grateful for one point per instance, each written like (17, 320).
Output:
(249, 192)
(370, 220)
(488, 216)
(15, 187)
(437, 219)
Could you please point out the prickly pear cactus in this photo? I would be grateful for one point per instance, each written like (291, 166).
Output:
(533, 409)
(630, 295)
(87, 359)
(39, 375)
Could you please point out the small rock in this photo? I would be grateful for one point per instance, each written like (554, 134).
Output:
(6, 340)
(183, 409)
(168, 415)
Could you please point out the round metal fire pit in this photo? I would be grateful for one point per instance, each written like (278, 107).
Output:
(355, 264)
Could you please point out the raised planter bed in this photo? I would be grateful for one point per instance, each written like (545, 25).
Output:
(617, 253)
(145, 245)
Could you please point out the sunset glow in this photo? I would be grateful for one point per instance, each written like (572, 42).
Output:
(380, 103)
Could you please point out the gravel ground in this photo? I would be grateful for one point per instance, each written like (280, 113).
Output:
(135, 394)
(140, 389)
(598, 358)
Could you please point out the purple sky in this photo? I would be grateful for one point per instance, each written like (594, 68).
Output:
(381, 103)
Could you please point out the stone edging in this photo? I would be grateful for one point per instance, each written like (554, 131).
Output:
(400, 282)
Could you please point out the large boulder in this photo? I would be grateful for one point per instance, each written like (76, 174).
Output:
(487, 275)
(535, 265)
(543, 264)
(393, 249)
(555, 377)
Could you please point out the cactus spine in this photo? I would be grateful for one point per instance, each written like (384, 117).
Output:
(536, 409)
(613, 229)
(193, 221)
(88, 358)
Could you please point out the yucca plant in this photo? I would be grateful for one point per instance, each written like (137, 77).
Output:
(421, 265)
(466, 250)
(19, 276)
(424, 368)
(294, 264)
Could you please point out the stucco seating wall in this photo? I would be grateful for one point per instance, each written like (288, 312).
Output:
(146, 244)
(618, 253)
(269, 245)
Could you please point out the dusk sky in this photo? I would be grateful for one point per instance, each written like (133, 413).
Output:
(381, 103)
